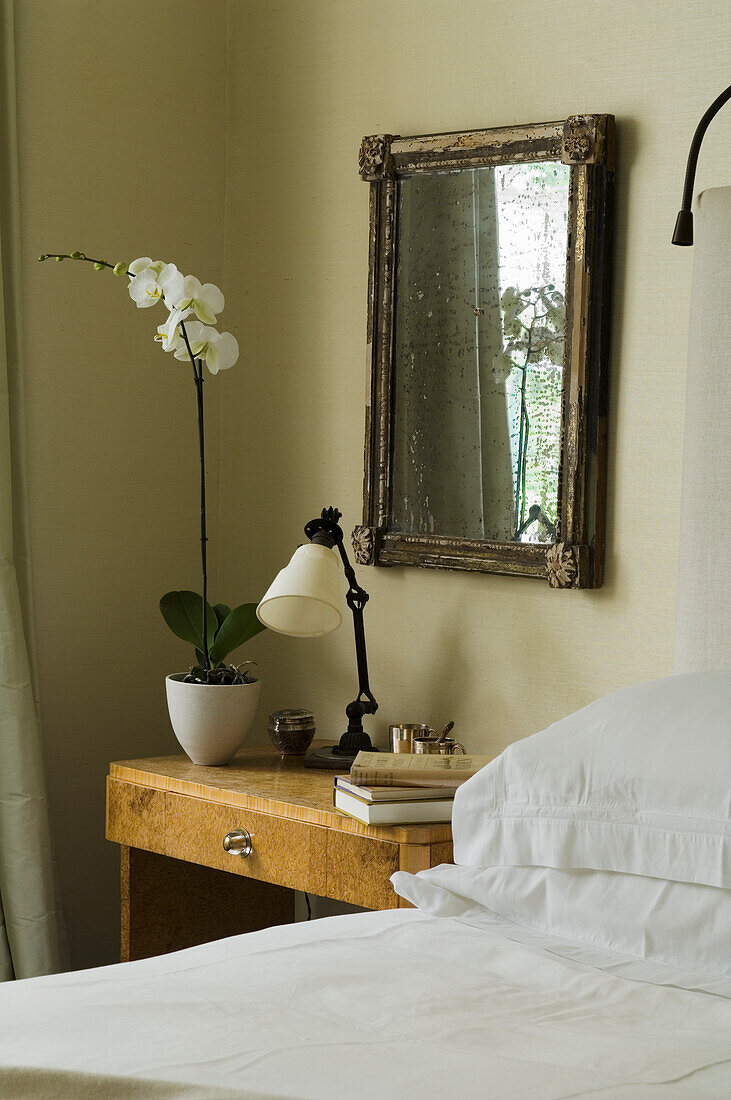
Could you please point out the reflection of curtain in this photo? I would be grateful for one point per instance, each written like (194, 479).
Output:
(452, 470)
(28, 925)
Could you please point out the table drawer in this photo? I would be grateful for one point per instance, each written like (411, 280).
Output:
(359, 869)
(285, 852)
(288, 853)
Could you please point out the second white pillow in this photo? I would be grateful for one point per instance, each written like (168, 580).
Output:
(676, 923)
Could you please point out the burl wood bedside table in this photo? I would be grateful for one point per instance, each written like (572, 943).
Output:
(180, 887)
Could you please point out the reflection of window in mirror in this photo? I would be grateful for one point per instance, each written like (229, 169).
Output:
(478, 351)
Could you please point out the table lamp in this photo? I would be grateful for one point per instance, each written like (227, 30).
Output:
(305, 600)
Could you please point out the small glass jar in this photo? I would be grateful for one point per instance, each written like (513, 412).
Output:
(291, 731)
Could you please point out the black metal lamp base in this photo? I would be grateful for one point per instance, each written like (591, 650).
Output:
(340, 757)
(328, 758)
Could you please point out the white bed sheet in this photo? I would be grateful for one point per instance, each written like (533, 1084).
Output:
(388, 1004)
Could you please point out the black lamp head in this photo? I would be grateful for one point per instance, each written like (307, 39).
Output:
(683, 232)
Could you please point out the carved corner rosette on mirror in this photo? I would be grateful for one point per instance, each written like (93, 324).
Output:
(488, 321)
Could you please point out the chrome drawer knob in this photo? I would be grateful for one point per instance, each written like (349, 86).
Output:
(238, 843)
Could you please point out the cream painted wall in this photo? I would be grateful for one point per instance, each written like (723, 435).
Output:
(502, 657)
(121, 134)
(275, 99)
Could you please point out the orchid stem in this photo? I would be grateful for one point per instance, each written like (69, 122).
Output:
(198, 379)
(82, 256)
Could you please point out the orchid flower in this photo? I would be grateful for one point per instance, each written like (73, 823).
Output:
(219, 349)
(142, 263)
(152, 282)
(168, 334)
(205, 301)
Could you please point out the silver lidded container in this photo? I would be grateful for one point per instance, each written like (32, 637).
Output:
(291, 731)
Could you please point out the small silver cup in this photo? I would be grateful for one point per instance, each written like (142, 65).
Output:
(401, 737)
(450, 747)
(425, 744)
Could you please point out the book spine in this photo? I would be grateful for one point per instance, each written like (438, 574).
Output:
(364, 777)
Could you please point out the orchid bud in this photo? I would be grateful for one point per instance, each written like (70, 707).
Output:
(43, 257)
(58, 259)
(98, 267)
(120, 268)
(77, 255)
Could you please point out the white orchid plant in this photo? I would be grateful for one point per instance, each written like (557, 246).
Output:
(214, 631)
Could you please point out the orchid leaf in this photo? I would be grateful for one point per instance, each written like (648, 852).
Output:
(221, 611)
(238, 627)
(183, 613)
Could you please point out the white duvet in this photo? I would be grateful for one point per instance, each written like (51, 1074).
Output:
(392, 1004)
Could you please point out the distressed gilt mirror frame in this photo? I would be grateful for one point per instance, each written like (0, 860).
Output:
(586, 144)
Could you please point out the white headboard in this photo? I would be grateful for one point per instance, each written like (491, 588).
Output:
(703, 625)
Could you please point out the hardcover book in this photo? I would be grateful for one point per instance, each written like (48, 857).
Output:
(388, 769)
(393, 813)
(388, 794)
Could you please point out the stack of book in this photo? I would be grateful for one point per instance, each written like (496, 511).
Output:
(386, 788)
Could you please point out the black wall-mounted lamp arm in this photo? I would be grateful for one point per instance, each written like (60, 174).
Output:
(683, 232)
(326, 531)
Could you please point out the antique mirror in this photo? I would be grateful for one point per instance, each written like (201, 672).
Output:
(488, 319)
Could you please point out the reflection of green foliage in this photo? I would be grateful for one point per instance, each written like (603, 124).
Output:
(532, 328)
(533, 335)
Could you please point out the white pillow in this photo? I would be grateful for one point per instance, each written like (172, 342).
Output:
(676, 923)
(638, 782)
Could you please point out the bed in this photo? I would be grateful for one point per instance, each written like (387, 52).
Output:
(390, 1004)
(579, 946)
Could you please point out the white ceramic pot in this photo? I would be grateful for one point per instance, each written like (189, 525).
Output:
(211, 721)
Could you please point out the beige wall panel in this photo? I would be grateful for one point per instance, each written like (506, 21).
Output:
(502, 657)
(121, 132)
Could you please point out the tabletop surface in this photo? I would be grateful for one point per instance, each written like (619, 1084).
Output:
(260, 779)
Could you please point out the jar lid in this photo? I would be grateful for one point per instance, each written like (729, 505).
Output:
(291, 718)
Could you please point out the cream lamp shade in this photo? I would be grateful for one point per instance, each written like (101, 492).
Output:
(305, 598)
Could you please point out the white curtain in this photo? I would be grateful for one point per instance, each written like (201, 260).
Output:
(703, 626)
(29, 938)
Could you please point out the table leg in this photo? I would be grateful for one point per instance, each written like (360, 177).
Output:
(168, 904)
(419, 857)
